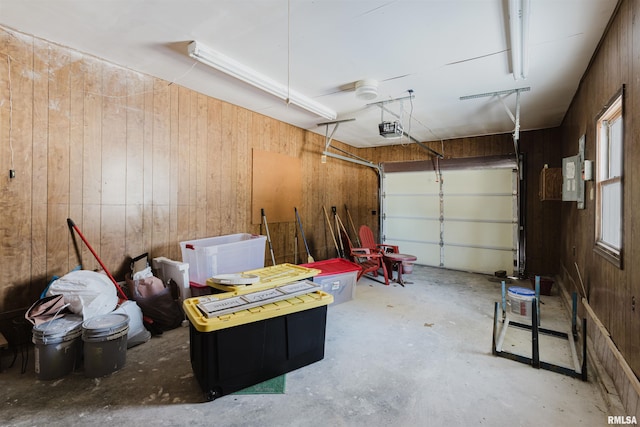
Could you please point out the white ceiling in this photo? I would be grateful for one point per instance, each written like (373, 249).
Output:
(440, 49)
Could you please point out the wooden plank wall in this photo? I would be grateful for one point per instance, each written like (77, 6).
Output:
(542, 219)
(141, 165)
(612, 290)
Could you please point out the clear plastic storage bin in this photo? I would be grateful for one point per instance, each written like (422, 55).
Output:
(337, 277)
(232, 253)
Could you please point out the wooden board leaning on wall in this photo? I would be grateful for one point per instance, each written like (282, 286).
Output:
(277, 186)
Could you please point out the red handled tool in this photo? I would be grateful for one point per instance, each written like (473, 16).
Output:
(73, 226)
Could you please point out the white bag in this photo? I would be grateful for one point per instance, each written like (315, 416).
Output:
(137, 334)
(88, 293)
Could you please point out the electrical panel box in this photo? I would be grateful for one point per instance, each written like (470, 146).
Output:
(570, 178)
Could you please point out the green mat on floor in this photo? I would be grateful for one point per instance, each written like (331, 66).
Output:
(272, 386)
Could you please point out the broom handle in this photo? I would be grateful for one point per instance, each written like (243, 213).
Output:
(343, 229)
(95, 255)
(266, 227)
(331, 230)
(335, 217)
(353, 227)
(304, 239)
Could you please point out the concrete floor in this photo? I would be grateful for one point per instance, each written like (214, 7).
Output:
(418, 355)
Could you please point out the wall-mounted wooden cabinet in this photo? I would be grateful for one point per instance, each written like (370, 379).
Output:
(550, 184)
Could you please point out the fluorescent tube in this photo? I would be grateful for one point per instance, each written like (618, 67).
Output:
(519, 34)
(240, 71)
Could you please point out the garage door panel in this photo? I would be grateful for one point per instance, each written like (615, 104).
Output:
(412, 182)
(478, 234)
(478, 181)
(479, 207)
(478, 210)
(412, 229)
(426, 253)
(477, 260)
(415, 204)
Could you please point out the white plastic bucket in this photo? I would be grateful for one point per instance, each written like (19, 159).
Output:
(520, 300)
(105, 344)
(407, 267)
(58, 347)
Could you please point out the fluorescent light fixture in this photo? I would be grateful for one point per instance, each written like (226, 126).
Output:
(519, 11)
(240, 71)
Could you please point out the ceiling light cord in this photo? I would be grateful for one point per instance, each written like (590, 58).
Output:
(410, 116)
(180, 77)
(410, 111)
(428, 129)
(10, 112)
(288, 100)
(403, 136)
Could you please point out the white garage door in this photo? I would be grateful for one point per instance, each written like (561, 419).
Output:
(462, 219)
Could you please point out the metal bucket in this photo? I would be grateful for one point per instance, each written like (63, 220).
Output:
(58, 348)
(105, 344)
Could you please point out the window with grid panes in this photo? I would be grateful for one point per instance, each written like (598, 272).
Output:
(609, 175)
